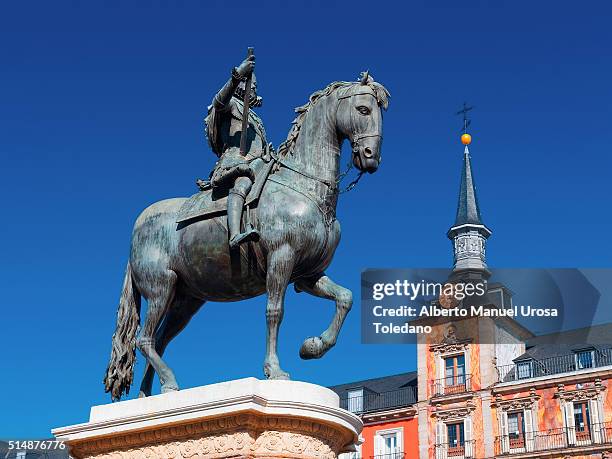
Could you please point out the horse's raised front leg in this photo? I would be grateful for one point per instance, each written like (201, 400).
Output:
(323, 287)
(159, 299)
(280, 267)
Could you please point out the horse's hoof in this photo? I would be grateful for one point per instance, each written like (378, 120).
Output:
(279, 375)
(312, 348)
(275, 373)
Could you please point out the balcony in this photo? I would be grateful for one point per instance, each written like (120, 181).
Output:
(451, 385)
(394, 455)
(370, 402)
(462, 450)
(554, 439)
(528, 369)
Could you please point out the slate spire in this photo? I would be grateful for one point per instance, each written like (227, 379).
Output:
(467, 207)
(469, 234)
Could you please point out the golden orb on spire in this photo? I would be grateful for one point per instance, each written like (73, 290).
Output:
(466, 139)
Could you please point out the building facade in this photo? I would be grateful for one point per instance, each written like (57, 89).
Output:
(484, 387)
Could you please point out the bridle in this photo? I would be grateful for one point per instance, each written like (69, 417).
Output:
(355, 138)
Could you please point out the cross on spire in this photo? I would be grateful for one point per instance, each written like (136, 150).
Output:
(466, 121)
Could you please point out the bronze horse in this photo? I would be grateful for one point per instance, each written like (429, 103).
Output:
(177, 267)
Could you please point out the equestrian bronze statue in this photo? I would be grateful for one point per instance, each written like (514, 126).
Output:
(181, 253)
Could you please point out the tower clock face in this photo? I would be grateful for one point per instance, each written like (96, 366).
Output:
(447, 296)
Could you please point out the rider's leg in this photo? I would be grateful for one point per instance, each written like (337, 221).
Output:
(235, 204)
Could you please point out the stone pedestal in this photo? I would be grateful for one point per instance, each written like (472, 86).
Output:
(246, 418)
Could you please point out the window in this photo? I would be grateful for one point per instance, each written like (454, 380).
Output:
(525, 369)
(584, 359)
(456, 439)
(454, 373)
(391, 447)
(582, 421)
(516, 429)
(355, 400)
(388, 444)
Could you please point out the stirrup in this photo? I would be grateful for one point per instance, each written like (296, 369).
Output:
(250, 234)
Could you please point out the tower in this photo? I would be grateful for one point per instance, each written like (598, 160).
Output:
(468, 234)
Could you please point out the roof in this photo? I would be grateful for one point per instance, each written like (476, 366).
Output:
(379, 394)
(379, 385)
(567, 342)
(468, 211)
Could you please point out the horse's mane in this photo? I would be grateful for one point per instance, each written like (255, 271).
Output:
(380, 92)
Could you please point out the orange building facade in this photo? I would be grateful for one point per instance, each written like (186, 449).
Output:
(518, 397)
(555, 407)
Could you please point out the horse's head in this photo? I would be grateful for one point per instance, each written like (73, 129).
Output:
(359, 118)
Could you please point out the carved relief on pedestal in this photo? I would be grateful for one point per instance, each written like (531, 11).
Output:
(290, 444)
(235, 436)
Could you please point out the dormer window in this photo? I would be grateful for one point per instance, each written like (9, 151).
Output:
(585, 359)
(355, 400)
(524, 369)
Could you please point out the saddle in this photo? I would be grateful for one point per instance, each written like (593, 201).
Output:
(213, 201)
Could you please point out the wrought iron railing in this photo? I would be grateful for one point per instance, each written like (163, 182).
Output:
(528, 369)
(394, 455)
(554, 439)
(455, 450)
(451, 385)
(372, 401)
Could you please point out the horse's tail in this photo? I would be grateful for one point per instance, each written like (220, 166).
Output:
(120, 370)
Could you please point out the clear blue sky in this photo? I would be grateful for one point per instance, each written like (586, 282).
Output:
(101, 107)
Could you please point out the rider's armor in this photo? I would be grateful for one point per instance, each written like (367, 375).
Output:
(232, 170)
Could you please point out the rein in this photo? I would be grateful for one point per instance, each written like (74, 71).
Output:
(351, 185)
(328, 183)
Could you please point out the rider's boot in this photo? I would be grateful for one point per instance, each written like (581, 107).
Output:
(235, 203)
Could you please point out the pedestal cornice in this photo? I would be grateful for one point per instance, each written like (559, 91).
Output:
(245, 418)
